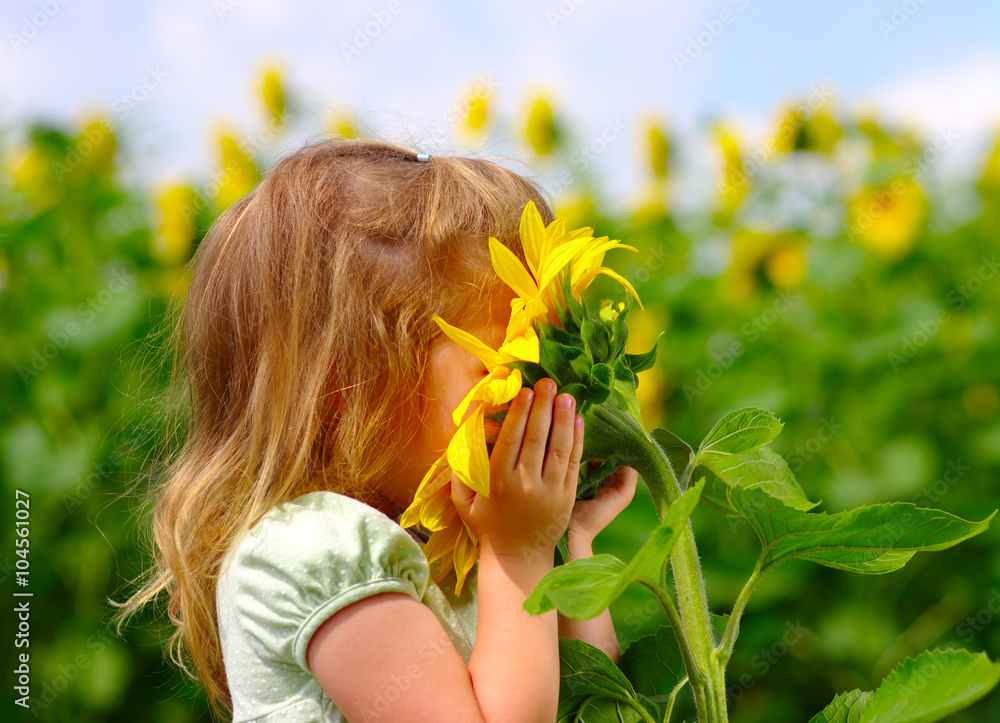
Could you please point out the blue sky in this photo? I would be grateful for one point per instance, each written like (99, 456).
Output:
(931, 64)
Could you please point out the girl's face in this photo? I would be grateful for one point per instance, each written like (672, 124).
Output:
(451, 374)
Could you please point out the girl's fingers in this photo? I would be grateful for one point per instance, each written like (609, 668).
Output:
(573, 468)
(462, 496)
(508, 444)
(536, 434)
(561, 440)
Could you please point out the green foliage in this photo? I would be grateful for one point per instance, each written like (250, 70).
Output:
(874, 539)
(924, 689)
(583, 588)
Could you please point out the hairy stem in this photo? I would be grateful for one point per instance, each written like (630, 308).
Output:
(616, 431)
(725, 649)
(690, 664)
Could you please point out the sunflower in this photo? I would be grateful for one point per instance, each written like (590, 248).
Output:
(548, 250)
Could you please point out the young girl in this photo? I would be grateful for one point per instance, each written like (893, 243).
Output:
(318, 392)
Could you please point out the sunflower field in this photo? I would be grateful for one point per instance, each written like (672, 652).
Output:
(833, 275)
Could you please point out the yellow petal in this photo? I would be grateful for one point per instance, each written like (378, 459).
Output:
(475, 393)
(467, 454)
(426, 489)
(511, 270)
(558, 260)
(524, 347)
(471, 344)
(441, 544)
(466, 552)
(617, 277)
(532, 232)
(501, 391)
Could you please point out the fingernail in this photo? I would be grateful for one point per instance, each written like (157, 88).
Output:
(565, 401)
(579, 422)
(526, 395)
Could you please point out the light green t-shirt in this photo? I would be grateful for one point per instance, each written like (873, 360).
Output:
(302, 562)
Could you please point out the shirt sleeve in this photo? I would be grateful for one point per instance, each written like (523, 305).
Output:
(308, 558)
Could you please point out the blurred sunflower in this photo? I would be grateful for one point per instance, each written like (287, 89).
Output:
(476, 112)
(758, 257)
(990, 180)
(735, 182)
(176, 209)
(887, 217)
(541, 129)
(239, 173)
(272, 93)
(549, 251)
(816, 131)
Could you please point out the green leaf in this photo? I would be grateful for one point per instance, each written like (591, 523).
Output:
(924, 689)
(583, 588)
(641, 362)
(859, 540)
(653, 663)
(586, 670)
(762, 468)
(601, 710)
(677, 450)
(845, 708)
(741, 431)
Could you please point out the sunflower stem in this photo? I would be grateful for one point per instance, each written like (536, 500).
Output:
(612, 430)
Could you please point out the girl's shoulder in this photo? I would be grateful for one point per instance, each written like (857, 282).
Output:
(328, 519)
(308, 557)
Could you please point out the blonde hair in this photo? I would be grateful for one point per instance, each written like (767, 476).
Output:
(300, 348)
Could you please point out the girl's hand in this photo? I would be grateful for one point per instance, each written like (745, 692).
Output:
(591, 516)
(531, 490)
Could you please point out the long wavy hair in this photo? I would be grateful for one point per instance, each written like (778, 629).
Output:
(300, 348)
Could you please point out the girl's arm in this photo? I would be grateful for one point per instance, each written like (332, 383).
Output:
(599, 631)
(383, 657)
(590, 517)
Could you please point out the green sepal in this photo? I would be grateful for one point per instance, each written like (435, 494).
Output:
(595, 335)
(530, 372)
(641, 362)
